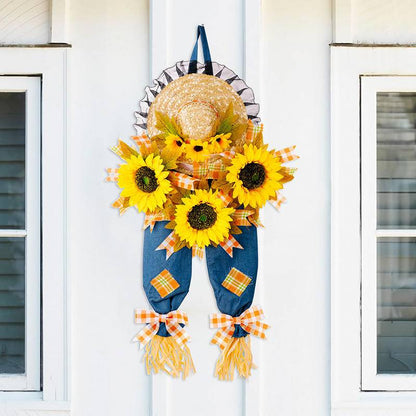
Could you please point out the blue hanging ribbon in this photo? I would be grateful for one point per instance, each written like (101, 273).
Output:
(205, 49)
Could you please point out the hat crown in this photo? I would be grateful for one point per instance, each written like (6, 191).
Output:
(198, 119)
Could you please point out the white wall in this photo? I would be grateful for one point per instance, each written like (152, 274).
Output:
(109, 69)
(295, 108)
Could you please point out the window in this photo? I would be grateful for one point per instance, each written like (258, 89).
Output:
(40, 242)
(373, 91)
(19, 233)
(389, 232)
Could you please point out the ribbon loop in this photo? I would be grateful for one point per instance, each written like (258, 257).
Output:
(172, 320)
(250, 321)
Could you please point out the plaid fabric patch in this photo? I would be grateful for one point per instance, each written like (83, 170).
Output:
(236, 281)
(250, 321)
(122, 204)
(197, 252)
(143, 141)
(172, 321)
(168, 244)
(287, 154)
(252, 131)
(240, 216)
(229, 244)
(164, 283)
(182, 181)
(151, 218)
(278, 201)
(112, 175)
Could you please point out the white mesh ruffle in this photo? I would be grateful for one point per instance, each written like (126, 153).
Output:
(179, 70)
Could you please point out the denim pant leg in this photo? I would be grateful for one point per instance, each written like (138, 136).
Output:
(179, 266)
(219, 264)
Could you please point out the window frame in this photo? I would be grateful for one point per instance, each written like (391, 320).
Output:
(30, 380)
(50, 64)
(349, 64)
(370, 86)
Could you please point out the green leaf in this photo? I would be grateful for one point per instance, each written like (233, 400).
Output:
(227, 123)
(166, 124)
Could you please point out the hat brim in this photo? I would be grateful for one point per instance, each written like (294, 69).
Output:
(179, 70)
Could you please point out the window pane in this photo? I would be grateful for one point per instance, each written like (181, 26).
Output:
(12, 305)
(396, 160)
(12, 160)
(396, 301)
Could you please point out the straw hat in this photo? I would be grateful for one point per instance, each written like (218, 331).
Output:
(197, 102)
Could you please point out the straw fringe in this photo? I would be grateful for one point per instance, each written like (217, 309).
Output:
(165, 354)
(236, 355)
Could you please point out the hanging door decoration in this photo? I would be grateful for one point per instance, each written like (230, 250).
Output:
(200, 172)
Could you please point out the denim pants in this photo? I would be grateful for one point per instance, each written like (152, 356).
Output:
(219, 264)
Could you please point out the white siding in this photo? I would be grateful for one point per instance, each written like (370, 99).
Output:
(24, 21)
(384, 21)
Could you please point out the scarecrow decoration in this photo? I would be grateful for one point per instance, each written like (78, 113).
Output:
(200, 172)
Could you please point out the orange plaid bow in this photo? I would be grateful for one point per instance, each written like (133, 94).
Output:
(249, 321)
(153, 319)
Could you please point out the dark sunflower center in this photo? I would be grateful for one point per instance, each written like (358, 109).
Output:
(179, 143)
(202, 216)
(252, 175)
(218, 140)
(198, 148)
(146, 179)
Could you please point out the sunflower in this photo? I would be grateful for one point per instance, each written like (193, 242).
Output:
(219, 143)
(196, 150)
(144, 182)
(254, 175)
(202, 219)
(175, 143)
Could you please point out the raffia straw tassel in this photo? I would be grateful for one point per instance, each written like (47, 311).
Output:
(165, 354)
(236, 354)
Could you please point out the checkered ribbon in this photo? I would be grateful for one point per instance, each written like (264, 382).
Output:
(142, 141)
(252, 131)
(209, 169)
(124, 150)
(197, 252)
(227, 198)
(256, 222)
(229, 244)
(182, 181)
(240, 217)
(112, 175)
(122, 204)
(151, 218)
(287, 154)
(228, 154)
(278, 201)
(172, 321)
(168, 244)
(250, 321)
